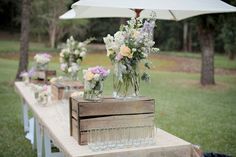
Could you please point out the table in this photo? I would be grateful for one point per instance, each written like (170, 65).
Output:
(54, 122)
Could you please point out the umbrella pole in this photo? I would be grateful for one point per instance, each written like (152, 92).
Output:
(138, 11)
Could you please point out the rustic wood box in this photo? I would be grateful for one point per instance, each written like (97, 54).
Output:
(44, 76)
(58, 88)
(87, 115)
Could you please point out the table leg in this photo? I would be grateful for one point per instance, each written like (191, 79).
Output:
(25, 116)
(39, 139)
(48, 147)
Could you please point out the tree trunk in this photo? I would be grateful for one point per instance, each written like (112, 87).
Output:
(52, 36)
(231, 55)
(207, 48)
(190, 39)
(24, 39)
(185, 37)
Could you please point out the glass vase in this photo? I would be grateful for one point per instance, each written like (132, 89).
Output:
(26, 80)
(126, 81)
(74, 76)
(93, 90)
(42, 67)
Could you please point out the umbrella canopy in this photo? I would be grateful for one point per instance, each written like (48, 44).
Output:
(163, 9)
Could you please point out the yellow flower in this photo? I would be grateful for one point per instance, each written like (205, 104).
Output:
(126, 51)
(136, 34)
(109, 52)
(89, 76)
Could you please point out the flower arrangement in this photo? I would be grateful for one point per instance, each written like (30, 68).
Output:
(93, 82)
(42, 61)
(26, 76)
(71, 55)
(41, 94)
(126, 49)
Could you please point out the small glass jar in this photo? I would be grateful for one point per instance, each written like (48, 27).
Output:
(42, 99)
(26, 80)
(42, 66)
(93, 90)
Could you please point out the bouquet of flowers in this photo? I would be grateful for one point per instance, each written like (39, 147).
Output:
(42, 61)
(26, 76)
(71, 55)
(41, 93)
(126, 49)
(93, 82)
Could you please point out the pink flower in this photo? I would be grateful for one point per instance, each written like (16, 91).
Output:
(99, 70)
(118, 57)
(46, 55)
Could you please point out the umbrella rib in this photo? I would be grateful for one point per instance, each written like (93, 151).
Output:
(173, 15)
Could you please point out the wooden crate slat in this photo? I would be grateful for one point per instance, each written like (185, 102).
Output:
(59, 87)
(113, 107)
(116, 121)
(75, 130)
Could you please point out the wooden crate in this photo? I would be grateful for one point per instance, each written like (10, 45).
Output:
(110, 113)
(58, 88)
(44, 76)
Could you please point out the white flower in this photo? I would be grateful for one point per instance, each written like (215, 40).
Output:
(61, 60)
(81, 44)
(73, 68)
(62, 54)
(77, 94)
(70, 69)
(84, 72)
(60, 78)
(96, 77)
(149, 43)
(42, 58)
(145, 55)
(53, 80)
(82, 54)
(76, 52)
(119, 38)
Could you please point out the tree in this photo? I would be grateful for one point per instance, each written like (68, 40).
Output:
(228, 32)
(229, 36)
(49, 11)
(205, 28)
(185, 36)
(24, 39)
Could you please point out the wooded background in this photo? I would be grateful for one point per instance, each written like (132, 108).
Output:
(169, 35)
(207, 33)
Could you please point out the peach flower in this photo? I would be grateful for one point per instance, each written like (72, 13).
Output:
(126, 51)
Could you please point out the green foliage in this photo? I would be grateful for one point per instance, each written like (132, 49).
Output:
(229, 33)
(168, 35)
(99, 28)
(10, 11)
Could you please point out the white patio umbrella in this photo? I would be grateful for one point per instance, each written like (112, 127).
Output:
(164, 9)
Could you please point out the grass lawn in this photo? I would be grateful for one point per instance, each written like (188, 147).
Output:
(14, 46)
(221, 61)
(203, 116)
